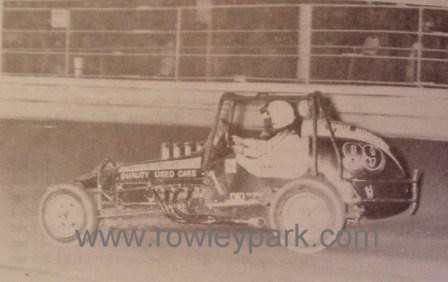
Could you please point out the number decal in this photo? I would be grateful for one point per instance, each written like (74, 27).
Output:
(352, 156)
(357, 156)
(369, 191)
(374, 158)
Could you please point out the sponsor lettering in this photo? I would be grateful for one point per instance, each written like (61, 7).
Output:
(137, 175)
(187, 173)
(159, 174)
(164, 174)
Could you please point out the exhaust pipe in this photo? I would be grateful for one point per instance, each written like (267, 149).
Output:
(177, 150)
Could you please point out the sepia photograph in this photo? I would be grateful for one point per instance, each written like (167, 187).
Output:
(223, 140)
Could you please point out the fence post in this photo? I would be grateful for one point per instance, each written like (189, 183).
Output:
(1, 36)
(208, 63)
(67, 42)
(178, 43)
(419, 46)
(304, 43)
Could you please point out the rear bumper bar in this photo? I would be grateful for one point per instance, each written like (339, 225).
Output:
(414, 181)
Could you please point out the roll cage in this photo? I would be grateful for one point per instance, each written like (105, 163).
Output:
(318, 110)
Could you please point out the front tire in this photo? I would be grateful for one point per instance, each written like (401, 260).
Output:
(310, 204)
(64, 209)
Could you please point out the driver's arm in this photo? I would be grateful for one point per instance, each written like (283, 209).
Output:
(249, 147)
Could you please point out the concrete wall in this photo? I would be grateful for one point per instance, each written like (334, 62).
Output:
(390, 111)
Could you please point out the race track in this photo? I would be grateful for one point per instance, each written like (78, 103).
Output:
(34, 155)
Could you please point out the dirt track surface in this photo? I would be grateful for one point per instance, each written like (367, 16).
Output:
(34, 155)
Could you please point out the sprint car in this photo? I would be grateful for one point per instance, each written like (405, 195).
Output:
(350, 173)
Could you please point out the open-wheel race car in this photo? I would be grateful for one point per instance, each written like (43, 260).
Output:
(330, 173)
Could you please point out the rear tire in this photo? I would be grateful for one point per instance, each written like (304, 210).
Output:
(308, 203)
(64, 209)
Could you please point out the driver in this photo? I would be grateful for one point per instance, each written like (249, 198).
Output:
(283, 154)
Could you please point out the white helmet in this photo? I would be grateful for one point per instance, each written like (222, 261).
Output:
(281, 113)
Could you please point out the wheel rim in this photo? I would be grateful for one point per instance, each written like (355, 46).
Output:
(309, 211)
(63, 214)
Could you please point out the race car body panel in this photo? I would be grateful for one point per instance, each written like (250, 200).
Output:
(349, 170)
(179, 169)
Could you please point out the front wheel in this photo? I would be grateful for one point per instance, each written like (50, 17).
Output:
(309, 204)
(65, 209)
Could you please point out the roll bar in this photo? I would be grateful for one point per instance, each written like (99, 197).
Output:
(318, 108)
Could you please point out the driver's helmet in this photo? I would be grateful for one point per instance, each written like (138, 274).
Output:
(278, 113)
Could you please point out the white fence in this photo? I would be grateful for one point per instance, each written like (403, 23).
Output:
(300, 43)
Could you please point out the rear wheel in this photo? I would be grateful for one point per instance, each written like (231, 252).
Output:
(309, 204)
(65, 209)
